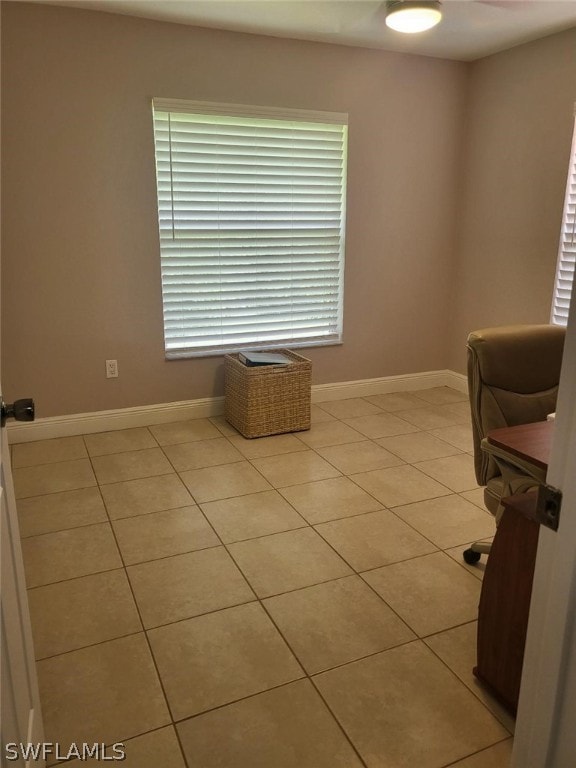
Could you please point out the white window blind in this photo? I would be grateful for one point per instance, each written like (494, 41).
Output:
(567, 251)
(251, 207)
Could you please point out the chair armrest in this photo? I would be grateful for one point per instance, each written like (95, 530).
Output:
(518, 475)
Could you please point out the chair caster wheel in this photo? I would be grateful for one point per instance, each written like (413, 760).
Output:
(470, 556)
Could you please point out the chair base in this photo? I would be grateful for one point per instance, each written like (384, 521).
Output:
(472, 554)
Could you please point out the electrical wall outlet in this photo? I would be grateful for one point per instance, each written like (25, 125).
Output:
(111, 369)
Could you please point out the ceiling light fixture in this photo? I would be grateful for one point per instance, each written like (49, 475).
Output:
(412, 16)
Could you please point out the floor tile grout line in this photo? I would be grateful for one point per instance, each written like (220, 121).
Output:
(227, 462)
(398, 615)
(344, 399)
(421, 641)
(218, 707)
(193, 440)
(309, 678)
(88, 455)
(308, 525)
(337, 719)
(272, 533)
(50, 764)
(47, 463)
(137, 563)
(353, 441)
(359, 574)
(147, 513)
(351, 477)
(53, 493)
(87, 487)
(457, 451)
(256, 598)
(90, 645)
(74, 578)
(145, 629)
(307, 522)
(447, 629)
(413, 527)
(441, 549)
(123, 450)
(299, 453)
(182, 619)
(149, 427)
(354, 572)
(304, 678)
(216, 546)
(63, 530)
(264, 536)
(60, 530)
(148, 644)
(362, 658)
(135, 479)
(277, 490)
(288, 645)
(251, 460)
(457, 677)
(170, 726)
(376, 512)
(259, 600)
(348, 563)
(411, 558)
(455, 763)
(206, 466)
(100, 483)
(444, 440)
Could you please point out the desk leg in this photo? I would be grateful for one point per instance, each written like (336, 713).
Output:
(504, 607)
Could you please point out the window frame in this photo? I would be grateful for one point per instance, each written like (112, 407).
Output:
(566, 262)
(230, 111)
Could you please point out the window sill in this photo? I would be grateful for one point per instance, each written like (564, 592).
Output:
(187, 354)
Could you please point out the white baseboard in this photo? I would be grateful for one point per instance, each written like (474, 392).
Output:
(105, 421)
(322, 393)
(147, 415)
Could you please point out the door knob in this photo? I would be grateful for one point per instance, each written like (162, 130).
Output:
(21, 410)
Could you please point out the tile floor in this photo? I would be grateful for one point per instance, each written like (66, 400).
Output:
(296, 601)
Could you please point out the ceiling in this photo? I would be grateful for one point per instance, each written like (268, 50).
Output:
(470, 29)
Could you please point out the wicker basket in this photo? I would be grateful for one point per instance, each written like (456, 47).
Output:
(268, 399)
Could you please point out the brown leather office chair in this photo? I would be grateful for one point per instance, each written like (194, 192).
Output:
(513, 377)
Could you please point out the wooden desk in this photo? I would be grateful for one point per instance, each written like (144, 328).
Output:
(531, 442)
(507, 586)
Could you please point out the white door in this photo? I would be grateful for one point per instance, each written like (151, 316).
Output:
(20, 714)
(545, 729)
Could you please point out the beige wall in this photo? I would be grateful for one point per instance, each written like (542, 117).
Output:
(81, 278)
(520, 117)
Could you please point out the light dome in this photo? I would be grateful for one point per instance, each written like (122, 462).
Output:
(411, 16)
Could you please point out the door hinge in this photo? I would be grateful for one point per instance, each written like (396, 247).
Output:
(548, 506)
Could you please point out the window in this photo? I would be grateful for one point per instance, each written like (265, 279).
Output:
(567, 252)
(251, 206)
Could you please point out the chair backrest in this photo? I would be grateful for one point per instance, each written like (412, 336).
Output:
(513, 376)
